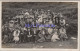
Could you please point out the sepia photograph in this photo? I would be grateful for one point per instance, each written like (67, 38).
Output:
(51, 25)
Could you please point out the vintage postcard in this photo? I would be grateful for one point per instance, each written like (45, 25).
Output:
(40, 25)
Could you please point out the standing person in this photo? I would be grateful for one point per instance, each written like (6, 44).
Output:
(40, 20)
(53, 17)
(49, 14)
(31, 12)
(26, 14)
(36, 14)
(16, 35)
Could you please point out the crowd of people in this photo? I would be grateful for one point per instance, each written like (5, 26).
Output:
(15, 29)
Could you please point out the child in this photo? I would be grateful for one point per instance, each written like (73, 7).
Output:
(16, 35)
(62, 32)
(41, 35)
(55, 35)
(48, 34)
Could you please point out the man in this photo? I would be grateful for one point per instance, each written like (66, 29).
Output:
(62, 22)
(36, 13)
(26, 13)
(49, 14)
(57, 20)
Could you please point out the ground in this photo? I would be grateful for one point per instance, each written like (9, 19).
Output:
(68, 44)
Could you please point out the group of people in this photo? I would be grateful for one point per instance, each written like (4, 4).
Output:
(15, 29)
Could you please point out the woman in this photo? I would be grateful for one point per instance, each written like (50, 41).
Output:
(62, 22)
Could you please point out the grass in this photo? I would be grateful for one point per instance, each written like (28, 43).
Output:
(69, 44)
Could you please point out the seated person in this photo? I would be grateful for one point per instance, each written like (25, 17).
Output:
(16, 35)
(55, 35)
(62, 34)
(41, 36)
(48, 34)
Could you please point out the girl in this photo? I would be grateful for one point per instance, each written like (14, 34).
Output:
(16, 35)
